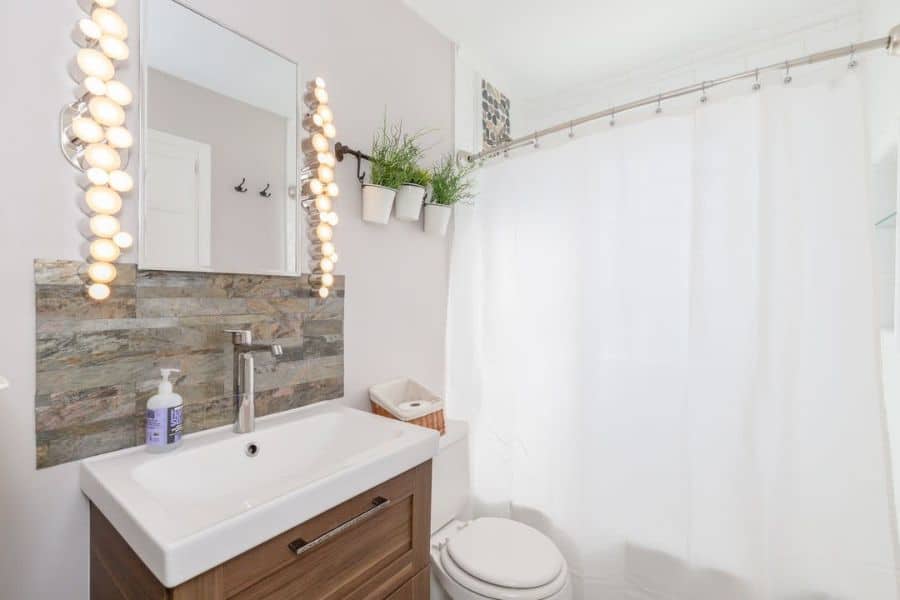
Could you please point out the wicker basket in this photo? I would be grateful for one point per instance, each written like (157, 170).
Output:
(407, 401)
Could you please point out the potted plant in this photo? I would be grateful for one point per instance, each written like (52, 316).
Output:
(411, 194)
(389, 167)
(450, 183)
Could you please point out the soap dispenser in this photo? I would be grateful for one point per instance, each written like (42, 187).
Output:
(164, 416)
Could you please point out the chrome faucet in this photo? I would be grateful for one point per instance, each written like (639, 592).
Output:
(244, 393)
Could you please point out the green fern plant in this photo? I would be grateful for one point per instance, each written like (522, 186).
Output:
(451, 183)
(395, 156)
(416, 175)
(388, 156)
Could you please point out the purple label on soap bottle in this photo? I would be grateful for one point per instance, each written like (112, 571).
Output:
(164, 426)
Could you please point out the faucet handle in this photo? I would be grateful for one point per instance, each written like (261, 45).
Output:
(240, 336)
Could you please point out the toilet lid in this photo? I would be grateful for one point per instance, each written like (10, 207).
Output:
(506, 553)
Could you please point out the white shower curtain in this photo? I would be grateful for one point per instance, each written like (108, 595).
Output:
(664, 338)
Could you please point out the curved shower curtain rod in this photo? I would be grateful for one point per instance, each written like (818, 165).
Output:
(891, 43)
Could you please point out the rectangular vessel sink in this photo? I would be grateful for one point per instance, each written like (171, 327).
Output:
(216, 497)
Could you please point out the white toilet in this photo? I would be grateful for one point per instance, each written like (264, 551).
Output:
(488, 558)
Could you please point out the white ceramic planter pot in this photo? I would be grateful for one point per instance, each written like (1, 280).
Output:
(377, 203)
(437, 218)
(410, 198)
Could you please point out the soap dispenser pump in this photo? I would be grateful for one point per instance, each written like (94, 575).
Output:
(164, 416)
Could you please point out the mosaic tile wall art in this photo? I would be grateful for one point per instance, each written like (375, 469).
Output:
(494, 115)
(98, 362)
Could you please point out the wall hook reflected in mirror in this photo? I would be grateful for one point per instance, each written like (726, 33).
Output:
(241, 187)
(265, 193)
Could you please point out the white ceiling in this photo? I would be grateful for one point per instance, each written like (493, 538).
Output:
(537, 48)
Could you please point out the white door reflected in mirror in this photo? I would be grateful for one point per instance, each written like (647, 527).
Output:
(177, 219)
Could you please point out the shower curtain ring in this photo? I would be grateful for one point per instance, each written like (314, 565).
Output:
(756, 84)
(787, 73)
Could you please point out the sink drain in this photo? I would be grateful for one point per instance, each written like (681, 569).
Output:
(252, 449)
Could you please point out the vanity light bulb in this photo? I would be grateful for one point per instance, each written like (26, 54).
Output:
(325, 112)
(326, 265)
(121, 181)
(319, 142)
(327, 279)
(90, 29)
(114, 48)
(331, 218)
(106, 112)
(334, 258)
(98, 291)
(104, 226)
(94, 63)
(119, 137)
(323, 292)
(329, 130)
(87, 130)
(332, 189)
(325, 174)
(103, 157)
(317, 120)
(324, 232)
(119, 93)
(323, 203)
(319, 82)
(123, 240)
(328, 250)
(102, 272)
(325, 158)
(316, 187)
(105, 3)
(94, 85)
(104, 250)
(110, 22)
(321, 95)
(97, 176)
(102, 200)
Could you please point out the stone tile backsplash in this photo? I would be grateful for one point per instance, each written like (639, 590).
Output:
(98, 362)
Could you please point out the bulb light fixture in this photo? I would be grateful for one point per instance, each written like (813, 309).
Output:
(321, 188)
(105, 226)
(98, 176)
(119, 93)
(94, 135)
(120, 181)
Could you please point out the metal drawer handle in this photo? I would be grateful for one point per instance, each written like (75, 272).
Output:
(301, 546)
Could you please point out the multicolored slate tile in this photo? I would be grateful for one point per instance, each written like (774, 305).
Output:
(98, 362)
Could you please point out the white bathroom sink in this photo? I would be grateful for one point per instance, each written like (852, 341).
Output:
(189, 510)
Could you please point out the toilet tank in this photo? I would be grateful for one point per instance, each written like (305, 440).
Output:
(450, 475)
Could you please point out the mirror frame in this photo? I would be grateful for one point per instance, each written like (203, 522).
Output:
(293, 196)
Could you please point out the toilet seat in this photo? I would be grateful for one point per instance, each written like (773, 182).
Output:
(503, 559)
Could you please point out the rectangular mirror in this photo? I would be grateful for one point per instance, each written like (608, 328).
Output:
(219, 168)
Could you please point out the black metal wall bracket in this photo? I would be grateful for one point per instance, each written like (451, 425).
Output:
(340, 150)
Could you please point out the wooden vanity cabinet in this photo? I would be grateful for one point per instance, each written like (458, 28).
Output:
(372, 547)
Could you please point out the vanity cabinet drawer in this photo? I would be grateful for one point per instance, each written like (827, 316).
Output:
(372, 547)
(417, 588)
(364, 548)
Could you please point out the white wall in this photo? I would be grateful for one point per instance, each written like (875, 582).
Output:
(766, 47)
(374, 54)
